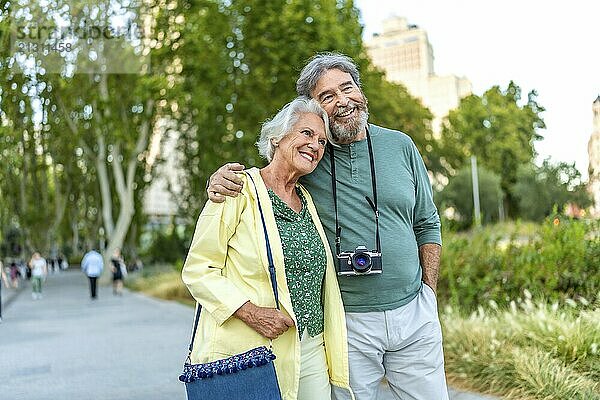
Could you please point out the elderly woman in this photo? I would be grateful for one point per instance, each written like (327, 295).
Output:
(227, 273)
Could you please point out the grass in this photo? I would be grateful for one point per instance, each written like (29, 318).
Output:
(528, 351)
(163, 282)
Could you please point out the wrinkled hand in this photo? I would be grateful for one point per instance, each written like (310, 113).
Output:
(225, 182)
(269, 322)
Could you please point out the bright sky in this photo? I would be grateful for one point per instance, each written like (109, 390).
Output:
(552, 47)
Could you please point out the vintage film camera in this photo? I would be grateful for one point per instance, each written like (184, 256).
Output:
(359, 262)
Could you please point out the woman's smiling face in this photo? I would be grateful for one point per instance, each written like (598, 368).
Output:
(303, 147)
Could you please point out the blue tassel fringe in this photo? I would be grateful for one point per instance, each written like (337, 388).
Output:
(252, 358)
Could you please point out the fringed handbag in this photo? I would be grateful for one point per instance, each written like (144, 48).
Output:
(250, 375)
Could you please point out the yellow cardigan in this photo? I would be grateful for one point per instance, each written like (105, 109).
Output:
(227, 266)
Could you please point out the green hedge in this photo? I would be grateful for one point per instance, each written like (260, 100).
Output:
(560, 259)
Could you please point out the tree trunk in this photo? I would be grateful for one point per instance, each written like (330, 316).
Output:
(75, 237)
(22, 198)
(105, 192)
(60, 204)
(125, 187)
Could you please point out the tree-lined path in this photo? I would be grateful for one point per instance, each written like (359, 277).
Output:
(68, 347)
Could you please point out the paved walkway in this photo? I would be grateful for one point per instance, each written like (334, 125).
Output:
(7, 295)
(67, 347)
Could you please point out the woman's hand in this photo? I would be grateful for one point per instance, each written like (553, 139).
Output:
(269, 322)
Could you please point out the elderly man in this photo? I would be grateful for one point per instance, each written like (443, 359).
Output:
(92, 265)
(372, 191)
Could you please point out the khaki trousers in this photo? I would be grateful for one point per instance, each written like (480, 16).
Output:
(314, 375)
(403, 345)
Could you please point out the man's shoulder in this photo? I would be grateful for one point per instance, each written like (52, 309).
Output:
(390, 134)
(92, 255)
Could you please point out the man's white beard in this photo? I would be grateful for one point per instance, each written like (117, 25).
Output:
(346, 133)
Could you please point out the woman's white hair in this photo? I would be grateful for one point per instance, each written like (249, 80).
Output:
(281, 124)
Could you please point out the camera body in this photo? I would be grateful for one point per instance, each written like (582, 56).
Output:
(359, 262)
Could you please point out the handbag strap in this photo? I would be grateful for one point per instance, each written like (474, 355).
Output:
(271, 269)
(269, 254)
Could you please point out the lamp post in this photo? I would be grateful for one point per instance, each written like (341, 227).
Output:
(475, 179)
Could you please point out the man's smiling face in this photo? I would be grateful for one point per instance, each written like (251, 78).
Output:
(345, 104)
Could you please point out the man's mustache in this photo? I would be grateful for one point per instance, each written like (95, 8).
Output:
(351, 105)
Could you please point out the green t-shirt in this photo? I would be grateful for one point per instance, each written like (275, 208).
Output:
(305, 262)
(408, 216)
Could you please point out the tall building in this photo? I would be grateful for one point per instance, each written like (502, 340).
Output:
(403, 51)
(594, 156)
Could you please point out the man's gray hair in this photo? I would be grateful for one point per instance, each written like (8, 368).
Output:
(280, 125)
(321, 63)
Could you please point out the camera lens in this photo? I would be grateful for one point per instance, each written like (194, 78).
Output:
(361, 262)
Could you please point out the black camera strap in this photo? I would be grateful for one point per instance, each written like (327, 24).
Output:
(372, 203)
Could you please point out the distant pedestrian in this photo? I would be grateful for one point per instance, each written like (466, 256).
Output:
(3, 276)
(4, 280)
(39, 272)
(14, 274)
(137, 265)
(119, 271)
(63, 263)
(92, 265)
(24, 267)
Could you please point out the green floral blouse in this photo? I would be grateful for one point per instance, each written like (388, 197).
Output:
(305, 262)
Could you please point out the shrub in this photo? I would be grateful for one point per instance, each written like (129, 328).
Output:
(166, 247)
(161, 281)
(561, 260)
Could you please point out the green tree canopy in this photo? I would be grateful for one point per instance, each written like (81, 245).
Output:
(458, 194)
(539, 190)
(77, 140)
(240, 61)
(497, 129)
(76, 135)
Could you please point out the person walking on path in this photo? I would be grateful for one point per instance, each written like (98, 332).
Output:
(92, 265)
(3, 280)
(3, 276)
(14, 275)
(119, 271)
(39, 271)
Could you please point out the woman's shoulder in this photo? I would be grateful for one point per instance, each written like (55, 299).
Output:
(252, 183)
(232, 205)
